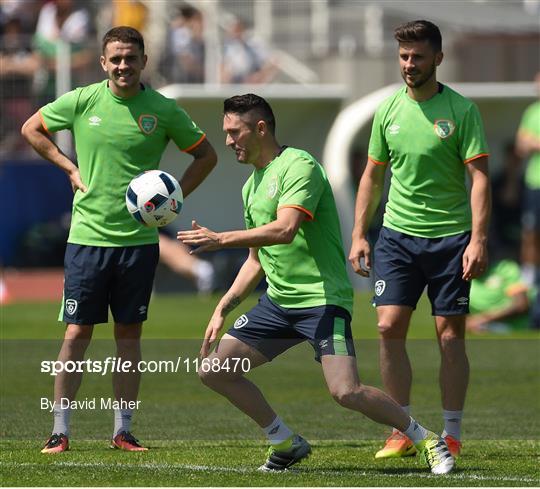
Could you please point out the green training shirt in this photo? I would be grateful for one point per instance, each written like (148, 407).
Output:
(115, 140)
(530, 125)
(495, 289)
(427, 144)
(310, 271)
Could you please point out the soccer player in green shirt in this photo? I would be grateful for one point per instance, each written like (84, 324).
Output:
(121, 129)
(528, 146)
(294, 240)
(500, 300)
(430, 136)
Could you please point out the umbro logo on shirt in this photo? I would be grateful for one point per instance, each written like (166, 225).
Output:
(394, 129)
(94, 120)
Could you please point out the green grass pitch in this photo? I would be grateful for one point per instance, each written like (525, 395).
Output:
(198, 439)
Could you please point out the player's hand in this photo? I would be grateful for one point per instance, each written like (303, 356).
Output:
(477, 323)
(203, 238)
(211, 334)
(76, 182)
(475, 260)
(360, 250)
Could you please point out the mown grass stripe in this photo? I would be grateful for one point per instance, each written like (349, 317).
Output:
(252, 470)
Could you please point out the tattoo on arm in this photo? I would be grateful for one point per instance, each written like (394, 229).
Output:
(233, 301)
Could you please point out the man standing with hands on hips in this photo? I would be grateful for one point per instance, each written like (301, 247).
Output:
(121, 129)
(433, 234)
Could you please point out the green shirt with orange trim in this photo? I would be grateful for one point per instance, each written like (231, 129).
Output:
(530, 125)
(311, 270)
(427, 144)
(116, 139)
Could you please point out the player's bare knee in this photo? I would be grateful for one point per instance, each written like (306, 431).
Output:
(78, 332)
(212, 377)
(206, 377)
(449, 338)
(76, 339)
(344, 395)
(389, 329)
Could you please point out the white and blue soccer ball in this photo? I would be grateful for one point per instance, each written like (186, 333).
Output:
(154, 198)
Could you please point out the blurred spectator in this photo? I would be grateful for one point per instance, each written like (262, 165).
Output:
(245, 59)
(507, 190)
(26, 11)
(500, 301)
(528, 146)
(17, 67)
(70, 21)
(185, 60)
(132, 13)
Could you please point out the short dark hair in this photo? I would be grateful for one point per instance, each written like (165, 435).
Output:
(125, 34)
(420, 30)
(242, 104)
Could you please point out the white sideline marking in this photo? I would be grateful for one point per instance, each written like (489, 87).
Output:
(253, 470)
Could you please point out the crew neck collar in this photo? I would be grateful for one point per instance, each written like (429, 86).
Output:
(124, 100)
(440, 89)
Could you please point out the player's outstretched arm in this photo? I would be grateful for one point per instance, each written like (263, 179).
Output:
(38, 137)
(368, 199)
(245, 282)
(475, 257)
(281, 231)
(204, 160)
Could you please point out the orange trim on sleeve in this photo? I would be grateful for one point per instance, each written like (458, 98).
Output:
(481, 155)
(376, 162)
(300, 208)
(43, 122)
(193, 146)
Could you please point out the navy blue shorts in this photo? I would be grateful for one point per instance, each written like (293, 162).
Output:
(96, 277)
(405, 265)
(272, 329)
(531, 210)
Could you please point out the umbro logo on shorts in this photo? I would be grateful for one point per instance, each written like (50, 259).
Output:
(462, 301)
(71, 306)
(380, 285)
(241, 322)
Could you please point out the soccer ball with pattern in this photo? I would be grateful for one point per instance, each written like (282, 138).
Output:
(154, 198)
